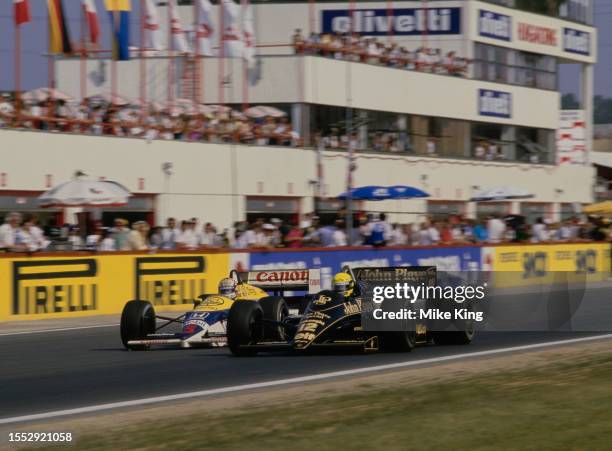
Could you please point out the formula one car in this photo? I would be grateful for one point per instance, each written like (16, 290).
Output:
(333, 318)
(205, 324)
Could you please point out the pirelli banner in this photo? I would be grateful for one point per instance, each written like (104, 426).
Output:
(59, 287)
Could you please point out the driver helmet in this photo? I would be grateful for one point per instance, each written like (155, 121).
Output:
(227, 287)
(343, 283)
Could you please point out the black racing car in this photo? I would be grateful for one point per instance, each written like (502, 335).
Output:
(333, 320)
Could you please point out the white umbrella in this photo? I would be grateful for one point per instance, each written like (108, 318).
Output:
(155, 106)
(80, 192)
(260, 111)
(501, 193)
(105, 97)
(44, 94)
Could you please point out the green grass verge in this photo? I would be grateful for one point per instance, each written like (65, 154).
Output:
(556, 407)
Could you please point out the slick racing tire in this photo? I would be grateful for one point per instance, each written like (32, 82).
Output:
(455, 337)
(137, 321)
(274, 310)
(401, 341)
(244, 327)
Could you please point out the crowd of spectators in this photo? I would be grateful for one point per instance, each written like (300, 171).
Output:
(170, 122)
(24, 234)
(367, 49)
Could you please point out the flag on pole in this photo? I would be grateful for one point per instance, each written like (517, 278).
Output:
(232, 41)
(248, 33)
(205, 30)
(22, 11)
(153, 34)
(59, 40)
(91, 15)
(179, 40)
(119, 11)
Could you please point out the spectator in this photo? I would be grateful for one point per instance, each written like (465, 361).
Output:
(434, 232)
(431, 147)
(398, 236)
(294, 237)
(107, 242)
(120, 234)
(209, 236)
(8, 231)
(93, 240)
(540, 231)
(338, 237)
(496, 229)
(24, 241)
(480, 232)
(187, 238)
(169, 234)
(424, 236)
(138, 237)
(156, 239)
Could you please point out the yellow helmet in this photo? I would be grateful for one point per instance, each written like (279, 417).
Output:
(343, 283)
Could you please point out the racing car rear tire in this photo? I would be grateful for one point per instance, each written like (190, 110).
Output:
(455, 337)
(274, 309)
(244, 327)
(137, 321)
(402, 341)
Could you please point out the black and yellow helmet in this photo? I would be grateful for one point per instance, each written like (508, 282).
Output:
(343, 283)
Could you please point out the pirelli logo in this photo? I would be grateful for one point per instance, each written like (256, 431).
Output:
(170, 280)
(54, 286)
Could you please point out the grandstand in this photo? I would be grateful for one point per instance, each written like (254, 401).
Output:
(451, 97)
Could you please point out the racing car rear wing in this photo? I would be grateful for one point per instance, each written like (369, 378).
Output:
(285, 279)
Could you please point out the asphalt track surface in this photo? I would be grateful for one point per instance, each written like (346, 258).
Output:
(59, 370)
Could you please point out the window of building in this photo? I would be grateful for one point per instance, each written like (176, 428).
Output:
(501, 65)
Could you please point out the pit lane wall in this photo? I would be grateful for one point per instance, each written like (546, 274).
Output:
(72, 285)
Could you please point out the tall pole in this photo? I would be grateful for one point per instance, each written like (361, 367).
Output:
(311, 16)
(17, 70)
(245, 66)
(143, 62)
(51, 75)
(114, 57)
(424, 24)
(83, 62)
(170, 55)
(349, 130)
(389, 21)
(196, 55)
(221, 53)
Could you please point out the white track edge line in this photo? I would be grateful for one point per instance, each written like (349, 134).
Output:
(62, 329)
(293, 380)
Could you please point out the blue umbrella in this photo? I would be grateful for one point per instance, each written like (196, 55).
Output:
(384, 193)
(407, 192)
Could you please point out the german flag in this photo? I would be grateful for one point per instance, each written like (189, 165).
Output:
(59, 40)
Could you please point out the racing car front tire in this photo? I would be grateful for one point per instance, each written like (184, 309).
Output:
(274, 311)
(244, 327)
(400, 341)
(137, 321)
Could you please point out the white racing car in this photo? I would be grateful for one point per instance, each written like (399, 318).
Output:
(205, 324)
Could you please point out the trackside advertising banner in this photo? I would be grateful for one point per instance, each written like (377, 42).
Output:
(332, 261)
(540, 264)
(63, 286)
